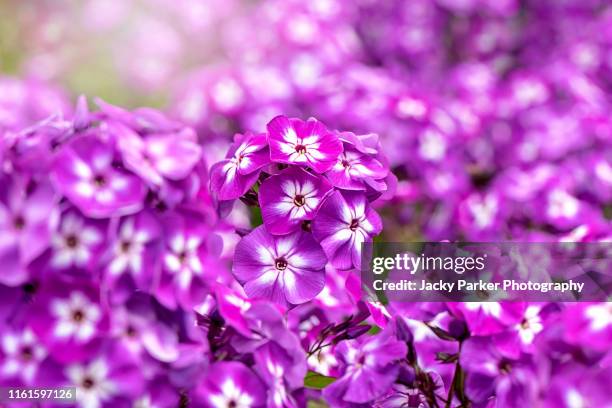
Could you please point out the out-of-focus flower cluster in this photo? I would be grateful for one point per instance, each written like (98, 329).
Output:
(129, 267)
(494, 115)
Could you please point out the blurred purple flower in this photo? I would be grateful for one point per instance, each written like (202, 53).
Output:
(85, 173)
(231, 384)
(27, 219)
(370, 368)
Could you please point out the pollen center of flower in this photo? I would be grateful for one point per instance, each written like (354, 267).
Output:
(99, 180)
(130, 331)
(19, 222)
(26, 353)
(232, 404)
(88, 383)
(77, 315)
(72, 241)
(504, 367)
(525, 324)
(280, 264)
(125, 246)
(300, 149)
(345, 163)
(354, 224)
(299, 200)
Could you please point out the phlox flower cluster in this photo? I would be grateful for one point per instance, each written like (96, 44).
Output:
(313, 187)
(147, 264)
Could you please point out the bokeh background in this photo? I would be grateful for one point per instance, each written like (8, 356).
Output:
(495, 113)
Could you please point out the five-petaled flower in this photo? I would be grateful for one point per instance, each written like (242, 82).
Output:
(289, 198)
(309, 143)
(288, 269)
(344, 222)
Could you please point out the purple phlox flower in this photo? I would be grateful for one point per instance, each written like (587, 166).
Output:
(369, 369)
(357, 166)
(344, 222)
(481, 215)
(25, 101)
(27, 150)
(142, 120)
(589, 324)
(272, 363)
(22, 355)
(69, 317)
(520, 337)
(484, 318)
(134, 248)
(289, 198)
(76, 243)
(231, 384)
(564, 210)
(184, 260)
(234, 176)
(27, 219)
(309, 143)
(158, 157)
(109, 379)
(287, 269)
(490, 372)
(141, 330)
(158, 393)
(85, 173)
(266, 324)
(576, 386)
(232, 307)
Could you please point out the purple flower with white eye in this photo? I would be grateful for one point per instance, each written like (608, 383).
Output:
(234, 176)
(289, 198)
(589, 324)
(76, 316)
(183, 277)
(491, 372)
(68, 317)
(134, 249)
(369, 369)
(158, 157)
(577, 386)
(76, 243)
(272, 363)
(84, 172)
(139, 330)
(27, 220)
(110, 379)
(357, 166)
(231, 384)
(293, 141)
(288, 269)
(344, 222)
(21, 354)
(93, 387)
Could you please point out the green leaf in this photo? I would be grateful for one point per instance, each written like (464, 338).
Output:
(317, 381)
(317, 404)
(256, 219)
(374, 330)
